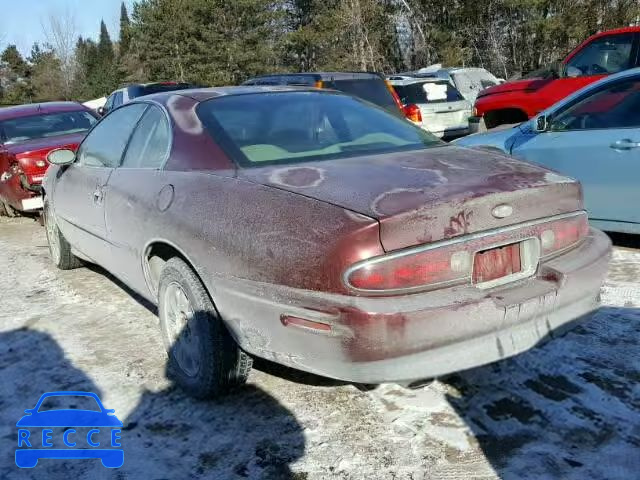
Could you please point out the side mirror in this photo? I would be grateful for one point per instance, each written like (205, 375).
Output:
(101, 111)
(61, 156)
(541, 124)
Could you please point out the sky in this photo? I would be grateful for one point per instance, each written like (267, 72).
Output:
(21, 21)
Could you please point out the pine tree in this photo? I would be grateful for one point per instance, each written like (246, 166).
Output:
(125, 31)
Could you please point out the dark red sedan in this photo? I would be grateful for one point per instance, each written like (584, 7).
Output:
(316, 230)
(27, 134)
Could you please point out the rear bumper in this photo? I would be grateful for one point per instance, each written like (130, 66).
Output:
(21, 194)
(417, 336)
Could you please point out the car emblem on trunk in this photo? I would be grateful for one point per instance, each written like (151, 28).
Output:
(502, 211)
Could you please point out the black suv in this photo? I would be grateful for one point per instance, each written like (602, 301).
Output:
(369, 86)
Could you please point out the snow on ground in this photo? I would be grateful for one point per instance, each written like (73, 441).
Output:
(568, 409)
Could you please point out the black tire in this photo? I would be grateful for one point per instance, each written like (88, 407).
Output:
(3, 211)
(59, 248)
(203, 357)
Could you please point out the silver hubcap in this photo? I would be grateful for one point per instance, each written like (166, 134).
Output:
(52, 236)
(182, 341)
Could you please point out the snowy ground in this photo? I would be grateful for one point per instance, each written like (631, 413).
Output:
(569, 409)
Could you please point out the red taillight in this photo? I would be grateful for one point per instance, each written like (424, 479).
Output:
(480, 258)
(413, 113)
(400, 272)
(563, 234)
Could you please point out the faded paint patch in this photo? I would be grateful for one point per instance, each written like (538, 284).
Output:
(182, 111)
(458, 224)
(396, 200)
(298, 177)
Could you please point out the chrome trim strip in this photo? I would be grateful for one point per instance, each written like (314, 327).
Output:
(448, 243)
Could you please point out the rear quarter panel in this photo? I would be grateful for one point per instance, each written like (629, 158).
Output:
(233, 230)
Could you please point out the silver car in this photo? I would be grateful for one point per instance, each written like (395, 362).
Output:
(434, 104)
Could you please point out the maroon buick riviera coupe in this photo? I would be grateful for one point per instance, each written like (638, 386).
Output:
(316, 230)
(27, 134)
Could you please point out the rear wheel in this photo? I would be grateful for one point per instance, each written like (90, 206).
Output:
(203, 357)
(59, 248)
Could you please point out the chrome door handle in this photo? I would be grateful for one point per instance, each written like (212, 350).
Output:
(625, 144)
(97, 196)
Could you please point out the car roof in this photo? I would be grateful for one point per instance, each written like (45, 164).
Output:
(203, 94)
(317, 76)
(408, 80)
(31, 109)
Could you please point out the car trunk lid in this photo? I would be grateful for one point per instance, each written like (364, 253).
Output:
(429, 195)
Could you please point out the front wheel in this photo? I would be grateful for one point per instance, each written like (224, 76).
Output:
(203, 357)
(59, 248)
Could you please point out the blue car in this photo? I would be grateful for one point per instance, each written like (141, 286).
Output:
(30, 433)
(592, 136)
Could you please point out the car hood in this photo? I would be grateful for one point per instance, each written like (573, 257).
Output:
(69, 418)
(500, 139)
(48, 143)
(529, 84)
(428, 195)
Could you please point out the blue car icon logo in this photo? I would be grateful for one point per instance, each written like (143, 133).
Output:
(69, 433)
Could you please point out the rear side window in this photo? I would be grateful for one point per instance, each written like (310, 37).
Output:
(428, 92)
(292, 127)
(372, 90)
(149, 144)
(105, 144)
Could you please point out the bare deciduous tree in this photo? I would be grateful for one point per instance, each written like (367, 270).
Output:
(61, 31)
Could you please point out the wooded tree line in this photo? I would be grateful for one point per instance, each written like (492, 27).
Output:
(216, 42)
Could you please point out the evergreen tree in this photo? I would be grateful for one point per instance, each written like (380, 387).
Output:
(125, 31)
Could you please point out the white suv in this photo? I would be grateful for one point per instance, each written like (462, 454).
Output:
(434, 104)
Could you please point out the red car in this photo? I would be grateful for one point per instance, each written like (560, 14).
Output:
(27, 134)
(600, 55)
(316, 230)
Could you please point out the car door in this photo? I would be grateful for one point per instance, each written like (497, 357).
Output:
(138, 193)
(82, 187)
(596, 139)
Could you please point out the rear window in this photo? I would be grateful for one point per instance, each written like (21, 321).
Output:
(372, 90)
(428, 92)
(22, 129)
(293, 127)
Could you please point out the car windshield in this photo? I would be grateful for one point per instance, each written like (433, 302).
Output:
(22, 129)
(293, 127)
(69, 402)
(428, 92)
